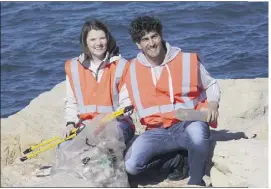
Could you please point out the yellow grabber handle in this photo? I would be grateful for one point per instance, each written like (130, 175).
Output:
(31, 148)
(74, 132)
(33, 154)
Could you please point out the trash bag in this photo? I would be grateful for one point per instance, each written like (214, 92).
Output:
(95, 159)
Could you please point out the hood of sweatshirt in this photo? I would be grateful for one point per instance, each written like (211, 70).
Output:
(171, 54)
(86, 62)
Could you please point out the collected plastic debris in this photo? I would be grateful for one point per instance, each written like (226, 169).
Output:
(95, 159)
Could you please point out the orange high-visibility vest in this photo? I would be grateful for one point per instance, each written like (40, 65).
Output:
(155, 105)
(92, 97)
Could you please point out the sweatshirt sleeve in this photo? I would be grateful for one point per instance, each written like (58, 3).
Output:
(124, 99)
(209, 84)
(71, 108)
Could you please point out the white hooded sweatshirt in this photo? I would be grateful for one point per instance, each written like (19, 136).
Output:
(206, 82)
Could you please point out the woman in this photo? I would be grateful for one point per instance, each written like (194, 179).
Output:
(94, 79)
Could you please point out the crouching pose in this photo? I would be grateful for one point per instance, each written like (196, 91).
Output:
(161, 80)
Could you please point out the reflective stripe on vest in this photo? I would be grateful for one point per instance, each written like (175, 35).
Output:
(83, 109)
(79, 96)
(188, 103)
(147, 111)
(118, 74)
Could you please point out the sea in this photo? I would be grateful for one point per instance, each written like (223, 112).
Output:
(231, 39)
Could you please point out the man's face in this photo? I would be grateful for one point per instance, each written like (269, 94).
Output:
(151, 44)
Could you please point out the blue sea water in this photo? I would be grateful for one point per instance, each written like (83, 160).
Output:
(38, 37)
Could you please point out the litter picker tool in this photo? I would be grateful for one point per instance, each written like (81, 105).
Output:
(47, 144)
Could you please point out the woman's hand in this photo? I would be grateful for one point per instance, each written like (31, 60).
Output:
(67, 130)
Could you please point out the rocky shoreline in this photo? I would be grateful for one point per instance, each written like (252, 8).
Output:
(240, 143)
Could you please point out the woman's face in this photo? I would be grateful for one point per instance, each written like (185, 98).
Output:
(97, 43)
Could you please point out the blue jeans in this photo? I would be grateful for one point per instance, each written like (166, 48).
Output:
(190, 135)
(127, 131)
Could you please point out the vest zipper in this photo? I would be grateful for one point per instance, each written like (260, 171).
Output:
(96, 75)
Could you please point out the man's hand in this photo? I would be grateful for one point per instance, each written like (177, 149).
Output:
(212, 112)
(67, 130)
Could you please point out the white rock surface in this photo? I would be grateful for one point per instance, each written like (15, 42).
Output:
(244, 108)
(236, 161)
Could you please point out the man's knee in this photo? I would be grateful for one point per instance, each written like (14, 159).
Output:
(198, 133)
(198, 129)
(132, 167)
(136, 157)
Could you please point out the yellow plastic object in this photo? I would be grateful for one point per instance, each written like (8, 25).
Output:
(33, 154)
(31, 148)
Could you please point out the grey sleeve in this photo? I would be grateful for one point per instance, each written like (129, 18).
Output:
(209, 84)
(71, 107)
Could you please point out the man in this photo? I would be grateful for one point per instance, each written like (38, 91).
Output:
(161, 80)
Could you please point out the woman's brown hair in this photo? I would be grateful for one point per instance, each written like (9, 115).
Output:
(94, 24)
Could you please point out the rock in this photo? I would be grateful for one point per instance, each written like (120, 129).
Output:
(240, 142)
(42, 119)
(238, 163)
(10, 148)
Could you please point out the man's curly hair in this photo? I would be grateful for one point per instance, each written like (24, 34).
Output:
(142, 25)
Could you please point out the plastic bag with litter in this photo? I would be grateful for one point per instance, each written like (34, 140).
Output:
(94, 160)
